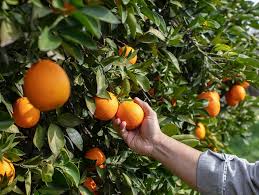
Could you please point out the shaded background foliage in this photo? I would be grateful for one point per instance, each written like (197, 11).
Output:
(183, 48)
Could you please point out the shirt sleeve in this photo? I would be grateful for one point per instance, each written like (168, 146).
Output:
(223, 174)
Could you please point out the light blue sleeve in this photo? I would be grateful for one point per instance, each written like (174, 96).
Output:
(223, 174)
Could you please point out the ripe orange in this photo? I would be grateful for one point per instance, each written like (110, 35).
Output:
(200, 131)
(236, 94)
(131, 113)
(245, 84)
(213, 107)
(46, 85)
(106, 108)
(173, 102)
(97, 155)
(128, 50)
(6, 169)
(25, 114)
(90, 184)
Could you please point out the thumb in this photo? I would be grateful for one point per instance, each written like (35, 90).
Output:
(148, 111)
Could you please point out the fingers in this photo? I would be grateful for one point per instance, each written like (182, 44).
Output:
(120, 126)
(146, 108)
(116, 123)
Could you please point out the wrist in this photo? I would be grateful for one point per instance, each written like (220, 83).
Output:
(157, 143)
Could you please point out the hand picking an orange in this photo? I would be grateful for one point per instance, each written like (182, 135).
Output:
(25, 114)
(46, 85)
(131, 113)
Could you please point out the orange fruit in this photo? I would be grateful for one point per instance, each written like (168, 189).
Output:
(128, 50)
(213, 98)
(106, 108)
(25, 114)
(97, 155)
(245, 84)
(131, 113)
(230, 101)
(7, 170)
(69, 8)
(46, 85)
(236, 94)
(173, 102)
(90, 184)
(200, 131)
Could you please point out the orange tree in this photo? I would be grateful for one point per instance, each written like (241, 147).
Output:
(179, 49)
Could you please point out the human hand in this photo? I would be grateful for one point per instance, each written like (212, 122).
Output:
(142, 139)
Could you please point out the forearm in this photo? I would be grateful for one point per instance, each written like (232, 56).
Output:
(179, 158)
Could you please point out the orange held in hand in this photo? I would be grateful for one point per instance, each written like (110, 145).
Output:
(25, 114)
(97, 155)
(131, 113)
(200, 131)
(235, 95)
(6, 170)
(90, 184)
(127, 52)
(106, 108)
(213, 98)
(46, 85)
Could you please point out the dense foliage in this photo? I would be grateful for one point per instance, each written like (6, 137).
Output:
(183, 48)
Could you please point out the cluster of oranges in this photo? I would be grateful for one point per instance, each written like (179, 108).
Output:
(127, 111)
(47, 87)
(233, 97)
(98, 156)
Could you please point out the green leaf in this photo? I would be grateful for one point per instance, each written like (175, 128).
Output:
(69, 120)
(101, 13)
(90, 23)
(175, 40)
(125, 2)
(39, 137)
(101, 172)
(75, 137)
(55, 138)
(47, 41)
(74, 51)
(71, 172)
(12, 129)
(101, 84)
(246, 60)
(28, 183)
(170, 129)
(132, 22)
(157, 33)
(47, 172)
(125, 88)
(5, 121)
(127, 179)
(90, 104)
(172, 58)
(79, 38)
(143, 82)
(9, 32)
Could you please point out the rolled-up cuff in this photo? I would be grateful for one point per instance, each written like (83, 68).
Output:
(209, 173)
